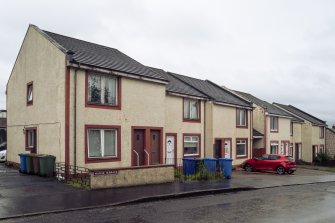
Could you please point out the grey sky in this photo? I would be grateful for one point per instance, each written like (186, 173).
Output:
(282, 51)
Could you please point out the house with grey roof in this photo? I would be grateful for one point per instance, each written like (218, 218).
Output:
(228, 122)
(272, 127)
(93, 106)
(312, 132)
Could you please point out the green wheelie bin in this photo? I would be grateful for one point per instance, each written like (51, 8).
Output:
(29, 164)
(47, 165)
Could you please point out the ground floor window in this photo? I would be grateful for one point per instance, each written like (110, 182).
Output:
(102, 143)
(191, 145)
(31, 138)
(241, 148)
(290, 152)
(322, 149)
(274, 148)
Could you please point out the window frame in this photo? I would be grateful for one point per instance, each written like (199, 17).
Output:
(274, 143)
(322, 132)
(238, 124)
(277, 121)
(99, 105)
(322, 148)
(246, 148)
(27, 146)
(107, 158)
(199, 110)
(291, 129)
(30, 102)
(199, 145)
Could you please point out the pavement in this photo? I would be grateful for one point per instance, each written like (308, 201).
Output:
(26, 195)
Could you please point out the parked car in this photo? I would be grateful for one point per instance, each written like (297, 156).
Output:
(3, 152)
(271, 162)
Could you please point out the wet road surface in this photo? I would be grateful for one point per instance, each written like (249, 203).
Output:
(301, 203)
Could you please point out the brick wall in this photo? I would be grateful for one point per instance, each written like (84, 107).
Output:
(330, 141)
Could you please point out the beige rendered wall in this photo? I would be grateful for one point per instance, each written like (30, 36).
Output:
(283, 133)
(297, 131)
(44, 64)
(174, 123)
(143, 104)
(258, 118)
(306, 137)
(316, 140)
(224, 126)
(133, 177)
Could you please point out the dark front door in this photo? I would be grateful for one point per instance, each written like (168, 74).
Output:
(138, 150)
(296, 154)
(155, 142)
(218, 148)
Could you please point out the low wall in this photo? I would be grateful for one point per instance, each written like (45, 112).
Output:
(121, 177)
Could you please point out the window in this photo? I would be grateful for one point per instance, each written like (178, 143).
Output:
(241, 117)
(102, 143)
(241, 148)
(274, 148)
(191, 146)
(273, 124)
(322, 149)
(191, 109)
(291, 129)
(30, 93)
(102, 90)
(31, 139)
(322, 132)
(290, 153)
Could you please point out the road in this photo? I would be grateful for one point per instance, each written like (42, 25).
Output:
(302, 203)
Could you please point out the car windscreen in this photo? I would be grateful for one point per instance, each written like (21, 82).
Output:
(290, 158)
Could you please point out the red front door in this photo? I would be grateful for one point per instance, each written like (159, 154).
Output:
(138, 150)
(155, 143)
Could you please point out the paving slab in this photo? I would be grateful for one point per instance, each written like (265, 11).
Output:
(30, 195)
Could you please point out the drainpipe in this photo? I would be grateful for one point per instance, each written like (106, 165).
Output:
(75, 115)
(204, 128)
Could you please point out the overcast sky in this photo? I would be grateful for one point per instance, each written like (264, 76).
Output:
(280, 51)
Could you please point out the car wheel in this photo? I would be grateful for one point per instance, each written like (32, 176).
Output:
(248, 168)
(280, 170)
(290, 171)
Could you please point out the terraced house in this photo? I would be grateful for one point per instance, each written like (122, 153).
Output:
(312, 132)
(93, 106)
(273, 132)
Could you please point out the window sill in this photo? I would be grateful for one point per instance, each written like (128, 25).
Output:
(103, 106)
(241, 157)
(192, 120)
(30, 148)
(191, 155)
(242, 126)
(29, 103)
(102, 160)
(274, 131)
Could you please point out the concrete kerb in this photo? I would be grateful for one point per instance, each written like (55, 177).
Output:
(138, 200)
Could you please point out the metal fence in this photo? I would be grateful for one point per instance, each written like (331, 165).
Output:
(74, 175)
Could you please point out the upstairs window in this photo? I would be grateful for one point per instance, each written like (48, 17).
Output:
(241, 117)
(102, 90)
(291, 129)
(273, 124)
(30, 93)
(191, 109)
(322, 132)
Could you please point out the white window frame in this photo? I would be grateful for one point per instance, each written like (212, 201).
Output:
(31, 137)
(102, 88)
(102, 141)
(239, 118)
(242, 142)
(276, 145)
(322, 132)
(191, 141)
(188, 101)
(274, 119)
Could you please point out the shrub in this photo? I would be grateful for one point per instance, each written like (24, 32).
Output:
(322, 157)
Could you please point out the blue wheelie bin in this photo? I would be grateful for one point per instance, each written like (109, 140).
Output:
(210, 165)
(226, 167)
(23, 163)
(189, 166)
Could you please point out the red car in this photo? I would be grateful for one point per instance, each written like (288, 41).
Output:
(271, 162)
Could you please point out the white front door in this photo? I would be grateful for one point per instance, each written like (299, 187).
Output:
(227, 149)
(170, 145)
